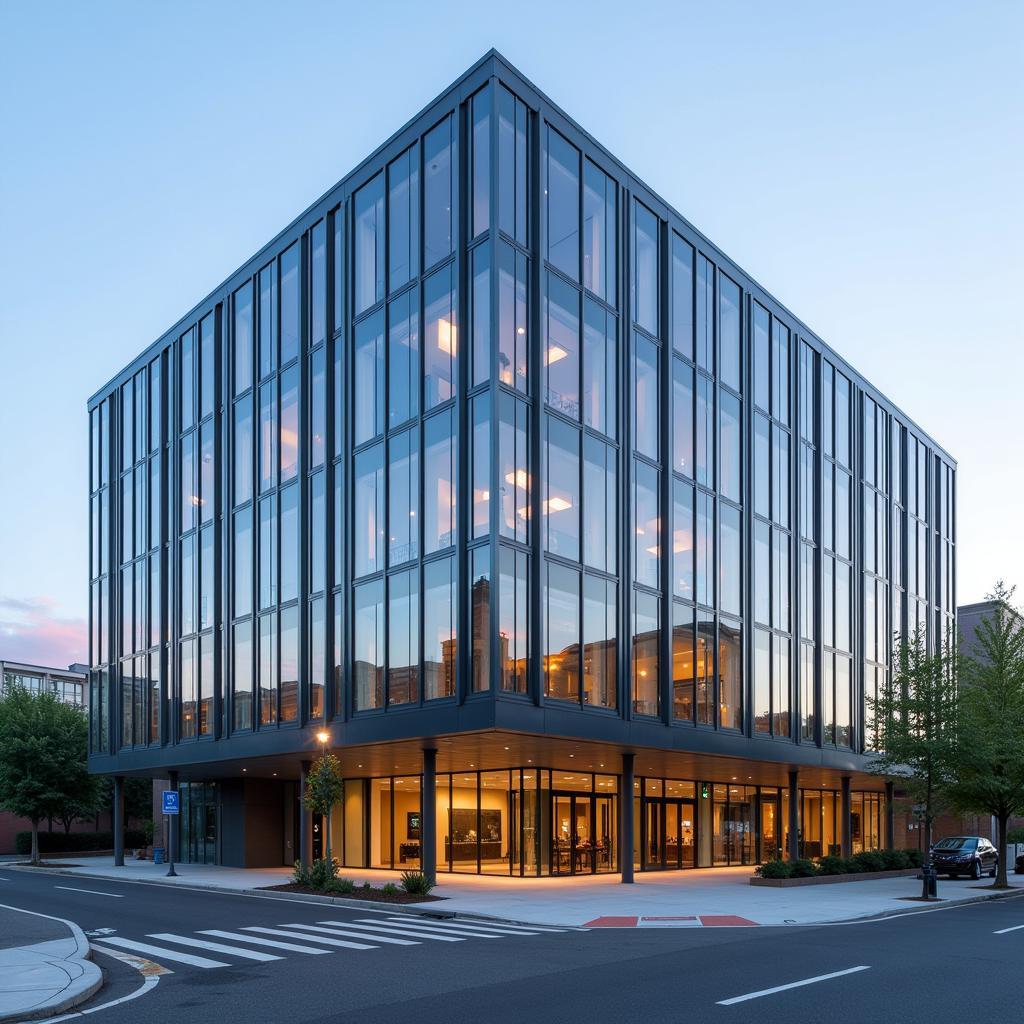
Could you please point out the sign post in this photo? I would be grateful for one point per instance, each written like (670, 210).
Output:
(170, 809)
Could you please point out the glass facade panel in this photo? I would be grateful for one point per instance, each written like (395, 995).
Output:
(562, 205)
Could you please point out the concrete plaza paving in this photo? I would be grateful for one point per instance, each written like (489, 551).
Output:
(688, 897)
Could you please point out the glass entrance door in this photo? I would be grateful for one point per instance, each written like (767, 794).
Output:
(573, 847)
(670, 834)
(771, 828)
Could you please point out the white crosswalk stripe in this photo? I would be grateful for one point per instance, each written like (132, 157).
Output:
(292, 947)
(214, 947)
(387, 939)
(459, 927)
(162, 953)
(340, 943)
(431, 929)
(388, 929)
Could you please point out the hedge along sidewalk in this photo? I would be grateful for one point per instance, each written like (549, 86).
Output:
(853, 876)
(45, 965)
(78, 842)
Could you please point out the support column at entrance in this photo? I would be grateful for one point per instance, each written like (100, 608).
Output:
(305, 817)
(626, 819)
(172, 839)
(428, 816)
(890, 817)
(847, 834)
(119, 821)
(794, 817)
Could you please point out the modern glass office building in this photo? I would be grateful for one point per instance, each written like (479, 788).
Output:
(584, 549)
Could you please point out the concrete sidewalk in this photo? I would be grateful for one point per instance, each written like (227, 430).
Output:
(44, 965)
(701, 898)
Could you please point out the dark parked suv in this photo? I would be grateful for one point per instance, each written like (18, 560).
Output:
(965, 855)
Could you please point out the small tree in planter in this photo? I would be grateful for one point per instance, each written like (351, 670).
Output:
(324, 787)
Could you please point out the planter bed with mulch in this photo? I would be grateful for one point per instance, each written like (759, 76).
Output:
(377, 895)
(859, 876)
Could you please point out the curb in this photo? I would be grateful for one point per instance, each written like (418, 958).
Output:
(300, 897)
(83, 988)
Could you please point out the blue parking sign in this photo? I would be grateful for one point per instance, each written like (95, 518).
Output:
(170, 801)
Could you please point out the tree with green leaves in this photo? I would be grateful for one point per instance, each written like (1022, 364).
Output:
(324, 785)
(915, 719)
(990, 769)
(43, 750)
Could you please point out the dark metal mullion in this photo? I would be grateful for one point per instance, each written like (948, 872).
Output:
(535, 411)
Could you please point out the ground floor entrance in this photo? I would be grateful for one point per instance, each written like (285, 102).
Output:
(526, 822)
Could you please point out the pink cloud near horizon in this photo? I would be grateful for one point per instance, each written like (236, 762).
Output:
(32, 632)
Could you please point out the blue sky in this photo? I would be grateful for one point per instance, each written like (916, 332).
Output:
(862, 161)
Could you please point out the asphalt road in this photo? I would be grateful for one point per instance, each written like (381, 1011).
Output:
(959, 963)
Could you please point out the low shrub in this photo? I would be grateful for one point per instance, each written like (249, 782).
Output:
(804, 868)
(776, 869)
(869, 860)
(833, 865)
(390, 889)
(1015, 835)
(341, 886)
(415, 883)
(895, 860)
(322, 874)
(78, 842)
(915, 858)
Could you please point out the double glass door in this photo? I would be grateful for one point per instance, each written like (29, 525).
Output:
(670, 834)
(583, 833)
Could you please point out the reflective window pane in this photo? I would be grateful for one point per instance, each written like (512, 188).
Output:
(682, 540)
(439, 611)
(243, 338)
(646, 639)
(368, 389)
(646, 396)
(513, 473)
(562, 347)
(600, 632)
(682, 297)
(599, 232)
(682, 418)
(368, 539)
(480, 119)
(403, 219)
(368, 655)
(513, 323)
(729, 450)
(729, 555)
(512, 176)
(561, 501)
(480, 313)
(729, 332)
(403, 638)
(437, 193)
(439, 338)
(403, 497)
(562, 205)
(645, 268)
(562, 633)
(600, 506)
(513, 623)
(647, 525)
(439, 486)
(403, 361)
(369, 244)
(290, 310)
(600, 369)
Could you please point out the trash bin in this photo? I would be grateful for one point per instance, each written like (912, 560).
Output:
(158, 855)
(930, 878)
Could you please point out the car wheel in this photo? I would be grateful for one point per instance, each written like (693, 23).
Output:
(976, 870)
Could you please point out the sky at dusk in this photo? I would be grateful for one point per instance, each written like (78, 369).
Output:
(862, 161)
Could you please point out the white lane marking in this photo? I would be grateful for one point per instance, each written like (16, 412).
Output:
(392, 930)
(91, 892)
(165, 954)
(214, 947)
(426, 929)
(1003, 931)
(270, 943)
(459, 926)
(147, 984)
(341, 943)
(792, 984)
(390, 940)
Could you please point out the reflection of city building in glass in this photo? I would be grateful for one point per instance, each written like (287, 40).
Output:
(574, 538)
(67, 685)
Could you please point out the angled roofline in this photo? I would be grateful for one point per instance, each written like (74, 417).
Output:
(504, 69)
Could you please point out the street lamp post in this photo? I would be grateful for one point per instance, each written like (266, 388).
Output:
(324, 737)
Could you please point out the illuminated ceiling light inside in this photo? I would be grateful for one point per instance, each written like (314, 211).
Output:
(520, 330)
(518, 477)
(556, 505)
(553, 354)
(446, 336)
(195, 499)
(480, 496)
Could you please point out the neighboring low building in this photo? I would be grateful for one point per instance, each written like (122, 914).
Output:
(68, 685)
(574, 538)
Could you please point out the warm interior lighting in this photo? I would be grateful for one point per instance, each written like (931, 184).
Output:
(518, 477)
(195, 499)
(553, 354)
(520, 330)
(323, 736)
(556, 505)
(446, 336)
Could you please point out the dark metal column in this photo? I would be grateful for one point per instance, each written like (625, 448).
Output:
(626, 819)
(794, 817)
(844, 812)
(428, 815)
(172, 841)
(305, 818)
(119, 821)
(890, 817)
